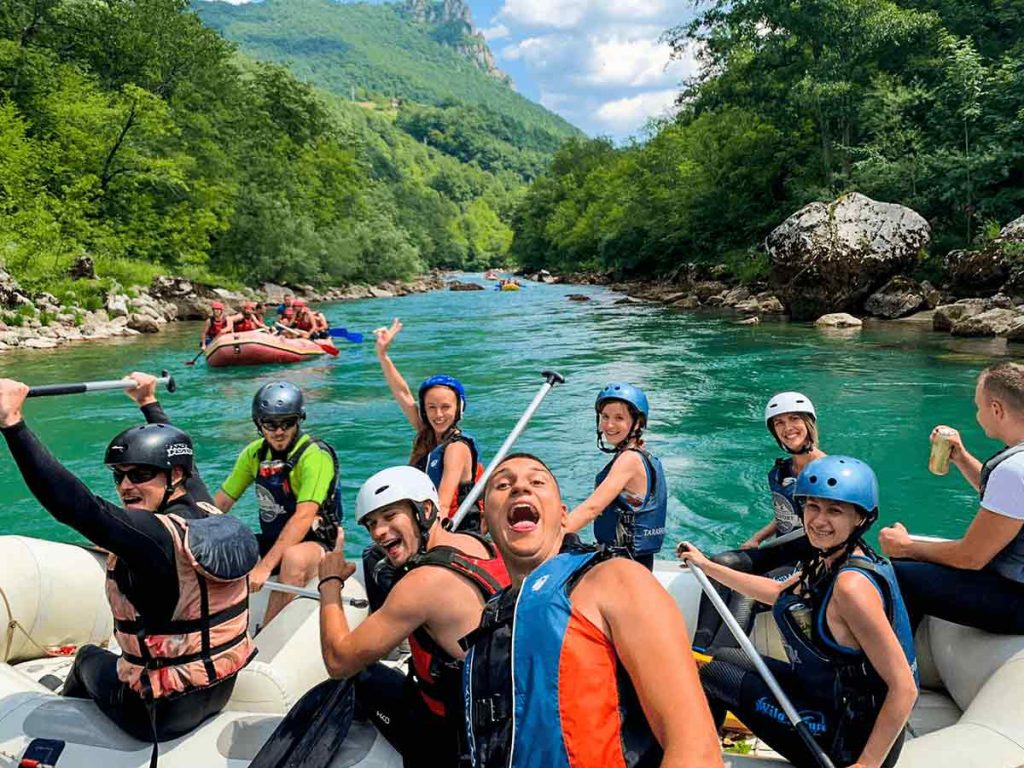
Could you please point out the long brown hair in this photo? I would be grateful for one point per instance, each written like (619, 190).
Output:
(426, 440)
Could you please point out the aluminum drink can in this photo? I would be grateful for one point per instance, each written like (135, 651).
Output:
(938, 461)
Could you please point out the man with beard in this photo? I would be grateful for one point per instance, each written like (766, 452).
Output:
(584, 660)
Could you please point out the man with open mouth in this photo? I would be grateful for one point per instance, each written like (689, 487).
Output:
(444, 579)
(585, 655)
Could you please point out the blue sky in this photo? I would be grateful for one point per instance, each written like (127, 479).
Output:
(597, 63)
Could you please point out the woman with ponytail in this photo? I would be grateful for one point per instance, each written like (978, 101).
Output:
(851, 670)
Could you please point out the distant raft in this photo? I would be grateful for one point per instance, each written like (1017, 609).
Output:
(259, 348)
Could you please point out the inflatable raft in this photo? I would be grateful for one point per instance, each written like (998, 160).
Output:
(259, 348)
(970, 713)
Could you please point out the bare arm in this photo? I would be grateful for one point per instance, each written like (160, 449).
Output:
(456, 459)
(626, 468)
(650, 637)
(398, 386)
(294, 531)
(761, 588)
(347, 652)
(986, 537)
(223, 502)
(860, 606)
(764, 533)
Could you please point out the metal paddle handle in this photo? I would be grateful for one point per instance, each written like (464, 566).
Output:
(48, 390)
(551, 378)
(762, 669)
(275, 586)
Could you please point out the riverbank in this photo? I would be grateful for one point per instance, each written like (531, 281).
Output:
(40, 321)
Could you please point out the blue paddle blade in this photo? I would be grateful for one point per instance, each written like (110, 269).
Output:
(344, 333)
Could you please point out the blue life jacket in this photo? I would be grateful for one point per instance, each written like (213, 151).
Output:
(433, 465)
(277, 500)
(824, 664)
(782, 482)
(640, 530)
(1009, 562)
(539, 683)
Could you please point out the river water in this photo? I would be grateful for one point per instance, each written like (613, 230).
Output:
(878, 392)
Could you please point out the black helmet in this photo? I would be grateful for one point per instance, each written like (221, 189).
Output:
(152, 445)
(277, 399)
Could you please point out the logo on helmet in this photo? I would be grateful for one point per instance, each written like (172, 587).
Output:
(178, 449)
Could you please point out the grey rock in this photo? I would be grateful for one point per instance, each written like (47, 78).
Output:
(455, 285)
(687, 302)
(83, 269)
(838, 320)
(735, 296)
(37, 343)
(947, 314)
(831, 257)
(143, 323)
(117, 305)
(749, 321)
(899, 297)
(992, 322)
(577, 297)
(772, 306)
(381, 293)
(975, 273)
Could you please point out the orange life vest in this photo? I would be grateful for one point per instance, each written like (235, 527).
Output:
(217, 326)
(245, 324)
(205, 641)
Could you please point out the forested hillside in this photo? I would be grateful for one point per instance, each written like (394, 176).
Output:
(133, 133)
(919, 102)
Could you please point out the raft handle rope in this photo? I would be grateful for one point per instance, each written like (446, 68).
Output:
(13, 624)
(48, 390)
(551, 378)
(795, 719)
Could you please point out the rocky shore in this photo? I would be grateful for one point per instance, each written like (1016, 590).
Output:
(837, 263)
(39, 321)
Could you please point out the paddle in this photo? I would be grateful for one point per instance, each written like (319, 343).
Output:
(762, 669)
(344, 333)
(313, 731)
(273, 586)
(192, 362)
(48, 390)
(551, 378)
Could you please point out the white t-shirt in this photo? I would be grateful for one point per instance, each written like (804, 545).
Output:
(1004, 493)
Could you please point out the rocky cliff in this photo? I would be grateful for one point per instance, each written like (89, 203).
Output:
(452, 24)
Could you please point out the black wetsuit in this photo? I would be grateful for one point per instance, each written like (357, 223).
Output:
(146, 572)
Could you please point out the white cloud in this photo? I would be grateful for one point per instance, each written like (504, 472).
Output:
(628, 115)
(556, 14)
(496, 32)
(635, 63)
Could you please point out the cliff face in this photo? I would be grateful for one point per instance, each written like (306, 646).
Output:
(452, 24)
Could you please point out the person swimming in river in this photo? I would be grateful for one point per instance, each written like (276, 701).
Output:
(629, 504)
(851, 670)
(791, 419)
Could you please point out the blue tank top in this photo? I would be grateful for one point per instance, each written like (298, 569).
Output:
(638, 529)
(782, 482)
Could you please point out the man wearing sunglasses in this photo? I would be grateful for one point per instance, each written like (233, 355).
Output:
(157, 569)
(296, 478)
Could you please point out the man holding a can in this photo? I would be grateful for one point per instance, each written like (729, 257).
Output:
(976, 580)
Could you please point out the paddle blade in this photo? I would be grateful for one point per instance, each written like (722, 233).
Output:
(330, 349)
(344, 333)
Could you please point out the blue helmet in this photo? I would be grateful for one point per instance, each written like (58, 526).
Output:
(443, 380)
(628, 393)
(840, 478)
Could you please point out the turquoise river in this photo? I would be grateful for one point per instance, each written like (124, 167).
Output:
(878, 392)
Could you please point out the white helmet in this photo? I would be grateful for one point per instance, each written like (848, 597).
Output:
(402, 483)
(788, 402)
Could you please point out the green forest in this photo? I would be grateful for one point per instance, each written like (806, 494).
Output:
(135, 134)
(919, 102)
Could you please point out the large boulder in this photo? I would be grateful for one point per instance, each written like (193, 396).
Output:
(948, 314)
(83, 269)
(143, 323)
(831, 257)
(899, 297)
(976, 273)
(455, 285)
(838, 320)
(10, 292)
(117, 305)
(171, 288)
(992, 322)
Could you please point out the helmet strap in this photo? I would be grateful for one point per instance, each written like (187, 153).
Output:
(624, 444)
(424, 521)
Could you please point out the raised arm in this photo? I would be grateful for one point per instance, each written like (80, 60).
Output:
(398, 386)
(969, 466)
(860, 606)
(627, 467)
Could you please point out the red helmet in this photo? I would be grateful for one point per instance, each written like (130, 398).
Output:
(249, 305)
(216, 305)
(288, 313)
(299, 303)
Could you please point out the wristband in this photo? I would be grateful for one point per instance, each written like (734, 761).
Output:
(326, 579)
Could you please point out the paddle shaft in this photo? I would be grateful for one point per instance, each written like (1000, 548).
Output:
(48, 390)
(274, 586)
(551, 378)
(762, 669)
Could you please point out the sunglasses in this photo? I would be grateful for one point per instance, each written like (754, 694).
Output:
(136, 475)
(273, 425)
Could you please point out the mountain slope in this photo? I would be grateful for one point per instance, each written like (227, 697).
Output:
(423, 52)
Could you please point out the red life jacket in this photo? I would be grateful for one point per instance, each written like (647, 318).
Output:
(218, 326)
(304, 323)
(245, 324)
(206, 639)
(438, 675)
